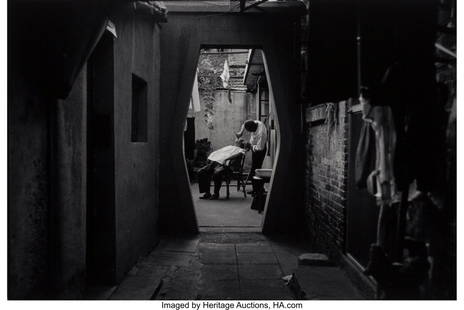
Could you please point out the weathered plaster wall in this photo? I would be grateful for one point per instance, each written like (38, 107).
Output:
(47, 158)
(181, 39)
(136, 163)
(69, 194)
(28, 187)
(229, 114)
(45, 149)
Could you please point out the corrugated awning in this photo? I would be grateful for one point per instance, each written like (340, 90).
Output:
(254, 68)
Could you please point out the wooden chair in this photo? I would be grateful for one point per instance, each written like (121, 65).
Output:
(235, 172)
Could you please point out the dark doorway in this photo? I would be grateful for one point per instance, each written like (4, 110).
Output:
(362, 210)
(189, 139)
(100, 164)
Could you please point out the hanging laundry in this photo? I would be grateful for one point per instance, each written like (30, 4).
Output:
(365, 155)
(331, 119)
(111, 27)
(225, 76)
(381, 181)
(195, 98)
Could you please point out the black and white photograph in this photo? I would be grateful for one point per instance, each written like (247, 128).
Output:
(230, 154)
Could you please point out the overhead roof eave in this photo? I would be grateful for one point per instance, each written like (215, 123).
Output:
(155, 9)
(247, 67)
(269, 7)
(254, 68)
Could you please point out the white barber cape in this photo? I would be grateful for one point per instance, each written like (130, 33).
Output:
(225, 153)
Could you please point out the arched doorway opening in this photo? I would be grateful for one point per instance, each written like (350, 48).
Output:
(181, 42)
(230, 87)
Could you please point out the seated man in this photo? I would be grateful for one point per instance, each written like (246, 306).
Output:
(216, 167)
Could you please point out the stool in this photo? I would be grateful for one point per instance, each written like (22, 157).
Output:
(259, 196)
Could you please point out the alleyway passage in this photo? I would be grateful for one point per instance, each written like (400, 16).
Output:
(229, 266)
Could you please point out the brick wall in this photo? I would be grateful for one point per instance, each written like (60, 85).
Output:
(327, 150)
(326, 175)
(326, 162)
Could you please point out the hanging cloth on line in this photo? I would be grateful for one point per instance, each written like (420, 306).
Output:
(381, 181)
(365, 155)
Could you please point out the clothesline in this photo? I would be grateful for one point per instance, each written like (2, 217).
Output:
(445, 50)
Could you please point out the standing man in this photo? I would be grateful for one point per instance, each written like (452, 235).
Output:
(258, 140)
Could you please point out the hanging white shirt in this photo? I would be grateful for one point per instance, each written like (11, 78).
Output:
(258, 139)
(224, 153)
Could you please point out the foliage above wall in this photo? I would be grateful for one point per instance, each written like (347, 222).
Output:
(210, 68)
(209, 80)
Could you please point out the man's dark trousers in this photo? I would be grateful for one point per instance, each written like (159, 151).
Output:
(212, 170)
(257, 158)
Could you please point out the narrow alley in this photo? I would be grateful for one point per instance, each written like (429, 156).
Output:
(290, 150)
(230, 266)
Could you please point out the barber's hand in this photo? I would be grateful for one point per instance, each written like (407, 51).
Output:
(240, 132)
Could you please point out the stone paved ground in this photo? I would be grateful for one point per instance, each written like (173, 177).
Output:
(227, 266)
(232, 212)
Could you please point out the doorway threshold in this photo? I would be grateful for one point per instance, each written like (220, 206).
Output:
(230, 229)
